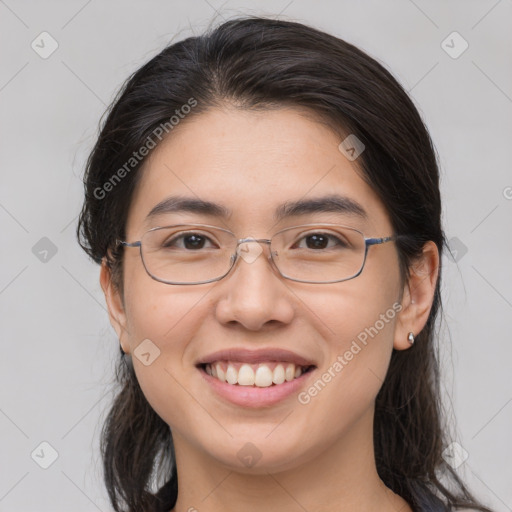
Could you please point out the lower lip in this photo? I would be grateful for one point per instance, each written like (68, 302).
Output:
(252, 396)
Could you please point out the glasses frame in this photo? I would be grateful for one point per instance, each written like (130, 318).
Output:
(369, 241)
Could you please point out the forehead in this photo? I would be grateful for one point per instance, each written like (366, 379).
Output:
(252, 163)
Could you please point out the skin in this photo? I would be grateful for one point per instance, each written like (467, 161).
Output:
(315, 457)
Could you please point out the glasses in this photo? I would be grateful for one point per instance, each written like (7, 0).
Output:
(187, 254)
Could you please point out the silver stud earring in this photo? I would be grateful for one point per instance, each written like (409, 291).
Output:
(411, 338)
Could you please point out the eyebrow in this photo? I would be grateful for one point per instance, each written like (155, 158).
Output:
(333, 203)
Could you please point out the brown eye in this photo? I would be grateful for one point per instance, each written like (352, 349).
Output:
(316, 241)
(189, 241)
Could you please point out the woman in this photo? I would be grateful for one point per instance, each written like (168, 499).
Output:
(264, 203)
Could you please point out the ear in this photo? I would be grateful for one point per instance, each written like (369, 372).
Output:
(418, 295)
(115, 305)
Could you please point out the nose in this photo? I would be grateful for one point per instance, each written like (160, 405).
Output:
(253, 294)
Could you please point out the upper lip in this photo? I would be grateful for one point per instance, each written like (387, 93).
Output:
(256, 356)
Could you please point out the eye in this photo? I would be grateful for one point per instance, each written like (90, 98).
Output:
(319, 240)
(190, 241)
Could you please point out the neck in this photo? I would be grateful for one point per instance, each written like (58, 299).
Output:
(337, 477)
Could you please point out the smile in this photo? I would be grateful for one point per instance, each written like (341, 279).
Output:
(255, 378)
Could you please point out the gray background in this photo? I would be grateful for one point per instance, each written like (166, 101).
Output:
(57, 345)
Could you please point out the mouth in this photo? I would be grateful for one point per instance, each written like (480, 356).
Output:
(256, 378)
(261, 375)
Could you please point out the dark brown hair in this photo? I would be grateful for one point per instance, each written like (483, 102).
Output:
(260, 63)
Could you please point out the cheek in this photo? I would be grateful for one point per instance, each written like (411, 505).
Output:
(360, 309)
(358, 319)
(362, 337)
(162, 322)
(158, 311)
(344, 391)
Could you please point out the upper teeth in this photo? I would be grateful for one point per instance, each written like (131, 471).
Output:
(261, 375)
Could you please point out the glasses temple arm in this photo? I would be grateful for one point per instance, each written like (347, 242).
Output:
(128, 244)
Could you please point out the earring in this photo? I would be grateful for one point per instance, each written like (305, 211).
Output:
(411, 338)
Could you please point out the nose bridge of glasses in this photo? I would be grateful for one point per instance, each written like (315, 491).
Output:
(249, 249)
(251, 239)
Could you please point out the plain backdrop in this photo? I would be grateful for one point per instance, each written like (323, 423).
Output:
(58, 348)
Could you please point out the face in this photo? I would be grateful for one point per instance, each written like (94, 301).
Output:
(251, 163)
